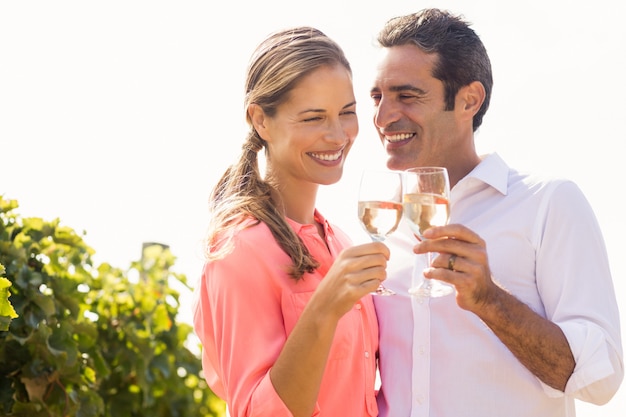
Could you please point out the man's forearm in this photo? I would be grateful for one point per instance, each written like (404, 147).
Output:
(539, 344)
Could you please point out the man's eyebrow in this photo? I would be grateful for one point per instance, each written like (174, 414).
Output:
(402, 87)
(407, 87)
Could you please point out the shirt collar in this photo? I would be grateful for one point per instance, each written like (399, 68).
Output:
(303, 228)
(493, 171)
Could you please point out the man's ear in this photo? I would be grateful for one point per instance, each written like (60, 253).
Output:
(471, 97)
(259, 121)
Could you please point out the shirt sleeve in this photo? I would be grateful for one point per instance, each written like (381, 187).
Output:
(574, 279)
(242, 326)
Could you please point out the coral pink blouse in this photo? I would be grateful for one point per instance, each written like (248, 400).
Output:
(245, 306)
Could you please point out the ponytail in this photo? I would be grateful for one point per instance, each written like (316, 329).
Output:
(241, 193)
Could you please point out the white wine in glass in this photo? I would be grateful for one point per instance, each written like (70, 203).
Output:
(426, 203)
(380, 207)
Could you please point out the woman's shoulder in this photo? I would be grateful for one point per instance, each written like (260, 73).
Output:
(251, 228)
(253, 239)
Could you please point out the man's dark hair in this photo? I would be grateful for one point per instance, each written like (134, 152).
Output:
(462, 57)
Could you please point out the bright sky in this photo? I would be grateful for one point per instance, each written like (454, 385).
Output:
(119, 116)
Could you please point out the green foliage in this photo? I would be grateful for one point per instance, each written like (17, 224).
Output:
(85, 340)
(7, 312)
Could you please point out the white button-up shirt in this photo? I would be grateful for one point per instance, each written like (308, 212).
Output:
(545, 247)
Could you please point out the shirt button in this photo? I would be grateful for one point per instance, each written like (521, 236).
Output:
(420, 349)
(358, 306)
(420, 399)
(367, 355)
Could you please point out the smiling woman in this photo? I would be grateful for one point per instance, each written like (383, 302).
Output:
(314, 129)
(269, 247)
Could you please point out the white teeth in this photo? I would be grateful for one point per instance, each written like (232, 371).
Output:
(327, 157)
(398, 137)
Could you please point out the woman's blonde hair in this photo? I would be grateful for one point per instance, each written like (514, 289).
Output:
(275, 68)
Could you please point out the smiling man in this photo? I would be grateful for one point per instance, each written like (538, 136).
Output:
(534, 322)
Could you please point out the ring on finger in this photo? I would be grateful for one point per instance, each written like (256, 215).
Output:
(451, 262)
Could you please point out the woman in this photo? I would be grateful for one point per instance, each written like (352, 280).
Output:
(283, 309)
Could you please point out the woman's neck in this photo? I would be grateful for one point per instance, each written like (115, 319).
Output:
(297, 203)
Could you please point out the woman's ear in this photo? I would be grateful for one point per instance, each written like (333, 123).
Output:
(259, 120)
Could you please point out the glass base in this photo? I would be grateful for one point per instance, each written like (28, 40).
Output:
(432, 288)
(381, 290)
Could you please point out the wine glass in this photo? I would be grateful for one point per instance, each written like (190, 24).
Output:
(380, 206)
(426, 203)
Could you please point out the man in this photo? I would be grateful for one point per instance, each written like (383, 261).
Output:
(534, 322)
